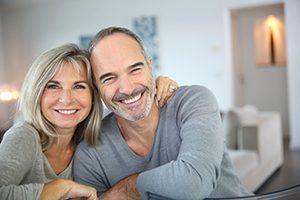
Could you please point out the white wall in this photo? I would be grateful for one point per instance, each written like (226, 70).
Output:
(1, 51)
(292, 13)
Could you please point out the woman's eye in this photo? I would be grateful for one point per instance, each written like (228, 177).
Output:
(80, 86)
(52, 86)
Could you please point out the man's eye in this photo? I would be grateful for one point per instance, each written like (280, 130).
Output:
(107, 80)
(137, 69)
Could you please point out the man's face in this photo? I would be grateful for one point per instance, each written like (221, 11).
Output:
(123, 76)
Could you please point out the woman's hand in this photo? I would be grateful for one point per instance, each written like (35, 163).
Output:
(66, 189)
(165, 88)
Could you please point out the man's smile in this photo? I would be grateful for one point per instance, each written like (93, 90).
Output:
(132, 100)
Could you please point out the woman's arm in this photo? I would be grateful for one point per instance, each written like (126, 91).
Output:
(19, 151)
(65, 188)
(17, 155)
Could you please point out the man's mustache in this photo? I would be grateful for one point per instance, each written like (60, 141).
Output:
(122, 96)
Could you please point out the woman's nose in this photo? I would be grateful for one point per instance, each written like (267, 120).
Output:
(65, 97)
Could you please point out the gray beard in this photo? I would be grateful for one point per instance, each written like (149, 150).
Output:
(149, 102)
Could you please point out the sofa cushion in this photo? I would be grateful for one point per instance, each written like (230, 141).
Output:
(247, 112)
(231, 123)
(244, 161)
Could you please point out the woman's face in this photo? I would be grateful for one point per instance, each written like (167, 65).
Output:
(67, 98)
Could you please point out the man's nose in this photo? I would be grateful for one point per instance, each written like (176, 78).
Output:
(126, 86)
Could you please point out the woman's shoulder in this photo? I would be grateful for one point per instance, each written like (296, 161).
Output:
(22, 131)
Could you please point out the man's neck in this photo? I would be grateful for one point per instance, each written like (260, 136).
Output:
(139, 135)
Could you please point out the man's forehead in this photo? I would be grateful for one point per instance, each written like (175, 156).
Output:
(117, 42)
(113, 50)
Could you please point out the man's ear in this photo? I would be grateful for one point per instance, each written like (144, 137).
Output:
(150, 63)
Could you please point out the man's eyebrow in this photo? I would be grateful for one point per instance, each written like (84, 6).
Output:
(129, 67)
(135, 65)
(105, 75)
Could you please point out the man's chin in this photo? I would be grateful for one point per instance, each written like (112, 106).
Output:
(130, 116)
(133, 113)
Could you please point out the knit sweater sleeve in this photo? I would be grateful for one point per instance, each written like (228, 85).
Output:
(18, 151)
(195, 172)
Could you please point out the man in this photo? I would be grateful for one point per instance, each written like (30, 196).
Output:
(174, 152)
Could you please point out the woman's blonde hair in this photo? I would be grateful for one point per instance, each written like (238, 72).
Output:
(40, 73)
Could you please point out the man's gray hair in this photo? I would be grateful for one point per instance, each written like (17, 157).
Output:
(112, 30)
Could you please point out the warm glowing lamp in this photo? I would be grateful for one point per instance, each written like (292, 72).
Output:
(269, 35)
(8, 93)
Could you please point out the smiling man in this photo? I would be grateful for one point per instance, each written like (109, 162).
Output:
(147, 152)
(124, 77)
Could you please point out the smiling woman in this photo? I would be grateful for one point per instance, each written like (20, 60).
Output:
(36, 155)
(67, 100)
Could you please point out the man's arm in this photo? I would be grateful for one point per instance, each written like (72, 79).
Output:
(123, 190)
(195, 172)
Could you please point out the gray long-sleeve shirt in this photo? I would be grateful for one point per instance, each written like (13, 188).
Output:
(188, 159)
(23, 167)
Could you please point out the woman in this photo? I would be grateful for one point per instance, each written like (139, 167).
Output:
(59, 109)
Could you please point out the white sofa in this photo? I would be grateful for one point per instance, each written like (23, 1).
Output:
(255, 144)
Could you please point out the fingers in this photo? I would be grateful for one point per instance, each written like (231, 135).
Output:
(171, 91)
(66, 189)
(161, 87)
(166, 87)
(93, 196)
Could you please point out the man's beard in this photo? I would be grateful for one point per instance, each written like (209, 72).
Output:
(149, 98)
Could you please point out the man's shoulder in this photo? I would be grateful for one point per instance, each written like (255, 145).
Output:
(107, 131)
(191, 97)
(109, 125)
(193, 89)
(198, 92)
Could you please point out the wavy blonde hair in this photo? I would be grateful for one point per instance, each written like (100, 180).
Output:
(40, 73)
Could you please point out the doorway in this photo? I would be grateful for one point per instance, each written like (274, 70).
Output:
(264, 86)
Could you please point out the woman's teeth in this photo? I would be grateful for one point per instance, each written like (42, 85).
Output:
(67, 112)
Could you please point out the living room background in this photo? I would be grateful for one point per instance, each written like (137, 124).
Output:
(194, 39)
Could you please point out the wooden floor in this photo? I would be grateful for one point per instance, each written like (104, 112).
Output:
(286, 176)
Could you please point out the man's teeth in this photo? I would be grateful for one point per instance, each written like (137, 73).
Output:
(67, 112)
(134, 99)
